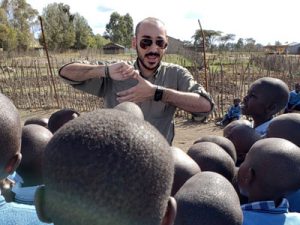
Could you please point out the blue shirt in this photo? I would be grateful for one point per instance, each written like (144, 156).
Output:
(17, 214)
(294, 98)
(266, 213)
(234, 111)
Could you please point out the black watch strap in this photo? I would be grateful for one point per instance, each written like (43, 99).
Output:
(159, 92)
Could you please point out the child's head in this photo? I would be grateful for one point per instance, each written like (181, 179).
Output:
(228, 128)
(286, 126)
(266, 97)
(37, 120)
(208, 199)
(185, 168)
(34, 141)
(60, 117)
(223, 142)
(271, 169)
(106, 167)
(10, 137)
(132, 108)
(243, 137)
(211, 157)
(236, 101)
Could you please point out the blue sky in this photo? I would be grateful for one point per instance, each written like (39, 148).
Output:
(266, 21)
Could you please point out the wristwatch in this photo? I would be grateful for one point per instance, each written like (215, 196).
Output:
(159, 92)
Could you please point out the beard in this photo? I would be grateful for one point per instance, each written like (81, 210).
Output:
(141, 60)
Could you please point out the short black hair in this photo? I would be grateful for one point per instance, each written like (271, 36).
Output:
(10, 135)
(208, 199)
(60, 117)
(34, 141)
(223, 142)
(211, 157)
(107, 167)
(286, 126)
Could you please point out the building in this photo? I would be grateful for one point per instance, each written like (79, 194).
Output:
(113, 48)
(293, 48)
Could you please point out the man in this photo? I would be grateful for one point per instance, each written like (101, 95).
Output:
(157, 87)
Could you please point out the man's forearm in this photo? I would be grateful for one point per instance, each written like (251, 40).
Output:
(190, 102)
(81, 72)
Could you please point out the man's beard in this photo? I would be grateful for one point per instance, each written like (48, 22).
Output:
(140, 60)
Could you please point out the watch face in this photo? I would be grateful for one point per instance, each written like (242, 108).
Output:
(158, 93)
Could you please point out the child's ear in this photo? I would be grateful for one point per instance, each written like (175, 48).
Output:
(13, 163)
(250, 178)
(40, 205)
(272, 109)
(170, 214)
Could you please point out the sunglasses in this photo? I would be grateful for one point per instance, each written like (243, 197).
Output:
(146, 42)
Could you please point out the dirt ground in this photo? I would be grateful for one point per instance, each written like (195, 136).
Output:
(186, 131)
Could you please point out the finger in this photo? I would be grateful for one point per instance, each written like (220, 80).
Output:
(126, 98)
(126, 92)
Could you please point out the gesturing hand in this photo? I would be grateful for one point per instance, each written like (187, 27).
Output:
(144, 90)
(120, 71)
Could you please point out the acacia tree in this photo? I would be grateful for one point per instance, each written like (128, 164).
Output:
(120, 29)
(210, 37)
(58, 26)
(20, 16)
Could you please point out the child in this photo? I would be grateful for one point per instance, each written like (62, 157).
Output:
(243, 137)
(132, 108)
(37, 120)
(34, 141)
(233, 113)
(271, 169)
(107, 167)
(185, 168)
(286, 126)
(10, 157)
(223, 142)
(266, 97)
(294, 100)
(208, 198)
(60, 117)
(211, 157)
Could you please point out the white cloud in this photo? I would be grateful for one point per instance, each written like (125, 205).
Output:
(266, 21)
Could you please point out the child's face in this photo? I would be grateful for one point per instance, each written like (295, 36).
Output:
(255, 101)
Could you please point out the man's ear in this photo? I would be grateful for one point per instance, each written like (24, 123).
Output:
(39, 202)
(13, 163)
(133, 42)
(170, 214)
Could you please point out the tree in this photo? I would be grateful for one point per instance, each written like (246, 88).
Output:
(20, 17)
(83, 32)
(225, 39)
(120, 29)
(58, 26)
(250, 44)
(210, 37)
(240, 44)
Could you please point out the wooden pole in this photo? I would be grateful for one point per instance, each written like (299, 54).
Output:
(204, 55)
(49, 64)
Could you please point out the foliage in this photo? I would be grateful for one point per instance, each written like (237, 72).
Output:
(120, 29)
(18, 18)
(58, 26)
(210, 36)
(83, 32)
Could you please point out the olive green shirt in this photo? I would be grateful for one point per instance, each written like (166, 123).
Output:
(158, 113)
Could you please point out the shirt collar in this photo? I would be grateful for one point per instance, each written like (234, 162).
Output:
(267, 206)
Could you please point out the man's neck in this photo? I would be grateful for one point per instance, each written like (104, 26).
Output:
(144, 72)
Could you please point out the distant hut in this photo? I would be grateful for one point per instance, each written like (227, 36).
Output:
(113, 48)
(293, 48)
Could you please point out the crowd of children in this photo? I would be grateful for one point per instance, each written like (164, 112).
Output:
(110, 166)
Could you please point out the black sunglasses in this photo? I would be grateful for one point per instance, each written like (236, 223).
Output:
(146, 42)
